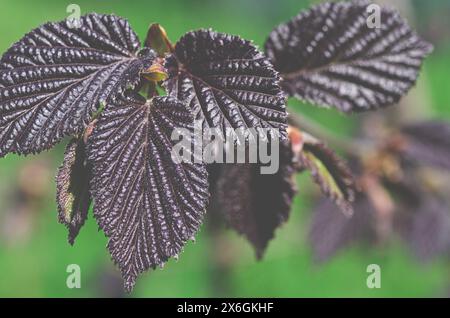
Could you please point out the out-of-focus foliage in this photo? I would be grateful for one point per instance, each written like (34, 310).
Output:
(404, 187)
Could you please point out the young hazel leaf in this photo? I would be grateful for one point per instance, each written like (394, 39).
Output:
(333, 55)
(331, 173)
(72, 184)
(226, 82)
(158, 41)
(146, 203)
(255, 204)
(55, 78)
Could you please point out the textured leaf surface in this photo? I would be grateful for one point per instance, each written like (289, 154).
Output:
(53, 79)
(331, 173)
(226, 82)
(72, 184)
(329, 56)
(428, 143)
(256, 204)
(147, 204)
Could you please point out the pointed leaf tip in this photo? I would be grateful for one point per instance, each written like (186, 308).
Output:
(158, 40)
(147, 204)
(256, 204)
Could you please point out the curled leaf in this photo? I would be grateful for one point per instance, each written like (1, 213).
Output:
(226, 82)
(147, 204)
(331, 55)
(55, 78)
(330, 172)
(72, 184)
(256, 204)
(155, 73)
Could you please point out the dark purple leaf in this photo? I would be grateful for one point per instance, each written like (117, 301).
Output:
(329, 56)
(147, 204)
(256, 204)
(226, 82)
(55, 78)
(428, 143)
(72, 184)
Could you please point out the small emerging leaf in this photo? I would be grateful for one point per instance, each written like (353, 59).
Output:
(329, 172)
(226, 82)
(155, 73)
(148, 205)
(72, 183)
(157, 40)
(330, 56)
(53, 80)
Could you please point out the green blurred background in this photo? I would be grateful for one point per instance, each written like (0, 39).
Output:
(34, 252)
